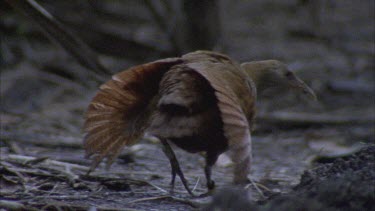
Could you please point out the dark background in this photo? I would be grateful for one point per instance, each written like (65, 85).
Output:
(45, 91)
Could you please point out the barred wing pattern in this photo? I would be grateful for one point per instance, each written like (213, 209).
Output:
(236, 102)
(118, 114)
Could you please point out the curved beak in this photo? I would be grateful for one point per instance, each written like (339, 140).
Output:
(297, 83)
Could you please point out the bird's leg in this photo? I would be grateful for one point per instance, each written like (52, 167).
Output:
(210, 161)
(175, 166)
(172, 159)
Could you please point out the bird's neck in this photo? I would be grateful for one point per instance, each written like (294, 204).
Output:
(257, 71)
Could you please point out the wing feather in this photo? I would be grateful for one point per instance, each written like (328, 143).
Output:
(227, 83)
(118, 113)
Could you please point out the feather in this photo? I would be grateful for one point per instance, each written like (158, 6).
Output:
(116, 117)
(236, 99)
(203, 101)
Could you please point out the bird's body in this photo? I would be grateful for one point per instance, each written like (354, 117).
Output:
(190, 119)
(187, 111)
(202, 102)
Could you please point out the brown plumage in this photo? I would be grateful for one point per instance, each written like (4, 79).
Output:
(202, 102)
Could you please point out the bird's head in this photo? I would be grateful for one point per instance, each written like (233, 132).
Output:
(269, 74)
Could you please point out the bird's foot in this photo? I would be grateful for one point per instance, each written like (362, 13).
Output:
(185, 183)
(210, 185)
(208, 193)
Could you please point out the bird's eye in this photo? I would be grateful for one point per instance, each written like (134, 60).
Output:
(289, 74)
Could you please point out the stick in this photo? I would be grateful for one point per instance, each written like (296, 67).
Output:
(283, 117)
(61, 34)
(42, 139)
(11, 205)
(185, 201)
(47, 163)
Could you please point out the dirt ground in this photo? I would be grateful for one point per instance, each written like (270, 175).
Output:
(303, 151)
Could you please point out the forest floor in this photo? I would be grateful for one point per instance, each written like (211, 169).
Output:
(308, 155)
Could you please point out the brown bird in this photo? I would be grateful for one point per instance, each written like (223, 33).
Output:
(201, 102)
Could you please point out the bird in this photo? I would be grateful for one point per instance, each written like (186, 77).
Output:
(202, 102)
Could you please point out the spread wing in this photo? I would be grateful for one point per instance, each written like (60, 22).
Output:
(236, 103)
(119, 112)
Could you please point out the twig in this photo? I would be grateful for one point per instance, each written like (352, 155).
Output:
(17, 171)
(185, 201)
(47, 162)
(162, 24)
(56, 205)
(64, 197)
(61, 81)
(157, 187)
(283, 117)
(11, 205)
(263, 187)
(256, 187)
(196, 184)
(129, 180)
(148, 199)
(61, 34)
(42, 139)
(351, 86)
